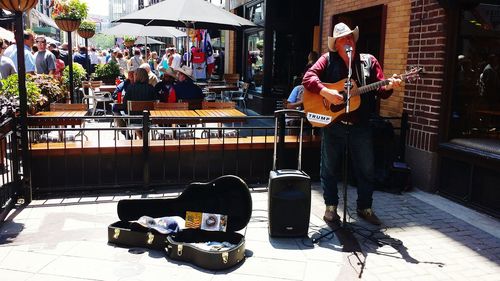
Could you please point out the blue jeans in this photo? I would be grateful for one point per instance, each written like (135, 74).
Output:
(361, 155)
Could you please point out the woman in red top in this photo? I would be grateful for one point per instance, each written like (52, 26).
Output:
(59, 64)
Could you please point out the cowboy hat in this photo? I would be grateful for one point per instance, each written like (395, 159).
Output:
(169, 71)
(186, 71)
(340, 30)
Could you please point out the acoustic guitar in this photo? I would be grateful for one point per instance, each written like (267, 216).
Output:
(320, 112)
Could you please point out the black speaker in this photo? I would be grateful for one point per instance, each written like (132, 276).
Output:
(289, 203)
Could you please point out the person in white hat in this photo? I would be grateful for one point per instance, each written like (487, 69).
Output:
(185, 88)
(332, 67)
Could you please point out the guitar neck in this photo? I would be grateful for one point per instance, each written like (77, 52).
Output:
(373, 86)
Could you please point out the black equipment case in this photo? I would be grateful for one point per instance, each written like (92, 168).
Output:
(289, 200)
(226, 195)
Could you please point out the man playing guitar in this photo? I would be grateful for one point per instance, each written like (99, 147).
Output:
(332, 67)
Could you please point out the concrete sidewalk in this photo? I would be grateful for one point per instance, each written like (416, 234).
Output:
(431, 239)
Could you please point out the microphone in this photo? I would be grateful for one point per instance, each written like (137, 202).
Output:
(347, 48)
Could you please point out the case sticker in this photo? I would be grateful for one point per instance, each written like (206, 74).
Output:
(206, 221)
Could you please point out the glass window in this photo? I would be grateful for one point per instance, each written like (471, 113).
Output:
(255, 13)
(255, 60)
(475, 105)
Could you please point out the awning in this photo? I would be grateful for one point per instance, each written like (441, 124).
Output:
(7, 34)
(43, 18)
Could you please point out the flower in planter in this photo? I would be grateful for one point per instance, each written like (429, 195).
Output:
(127, 38)
(69, 10)
(87, 29)
(87, 26)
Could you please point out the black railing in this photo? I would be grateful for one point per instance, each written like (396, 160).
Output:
(84, 160)
(10, 187)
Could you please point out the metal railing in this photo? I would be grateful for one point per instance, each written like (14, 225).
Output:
(99, 157)
(10, 187)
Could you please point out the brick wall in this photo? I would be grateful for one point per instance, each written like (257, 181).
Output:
(396, 40)
(426, 49)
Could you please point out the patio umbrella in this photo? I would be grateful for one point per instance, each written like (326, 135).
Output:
(144, 41)
(197, 14)
(141, 30)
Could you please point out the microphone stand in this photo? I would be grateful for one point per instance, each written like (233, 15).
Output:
(347, 87)
(347, 98)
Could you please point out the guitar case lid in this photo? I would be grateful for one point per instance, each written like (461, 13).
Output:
(227, 195)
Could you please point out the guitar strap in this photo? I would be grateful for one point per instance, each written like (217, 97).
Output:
(333, 71)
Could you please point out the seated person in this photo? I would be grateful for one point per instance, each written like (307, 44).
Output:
(167, 82)
(185, 89)
(294, 101)
(140, 91)
(123, 86)
(152, 79)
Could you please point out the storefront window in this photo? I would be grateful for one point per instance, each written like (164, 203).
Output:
(255, 61)
(475, 113)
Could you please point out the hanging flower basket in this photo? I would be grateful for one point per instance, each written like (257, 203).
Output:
(86, 33)
(68, 14)
(128, 41)
(129, 44)
(17, 5)
(86, 29)
(67, 24)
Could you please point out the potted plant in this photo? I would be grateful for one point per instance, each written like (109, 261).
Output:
(129, 41)
(86, 29)
(49, 87)
(107, 73)
(10, 89)
(68, 14)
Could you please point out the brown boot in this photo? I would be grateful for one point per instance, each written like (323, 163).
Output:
(331, 215)
(369, 216)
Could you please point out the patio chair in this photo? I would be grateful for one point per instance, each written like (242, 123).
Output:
(231, 78)
(171, 106)
(135, 108)
(95, 95)
(239, 96)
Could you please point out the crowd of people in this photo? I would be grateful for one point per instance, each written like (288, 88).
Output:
(42, 57)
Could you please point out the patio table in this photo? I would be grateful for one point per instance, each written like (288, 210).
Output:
(48, 119)
(173, 113)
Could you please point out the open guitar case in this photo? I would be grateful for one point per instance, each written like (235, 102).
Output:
(226, 195)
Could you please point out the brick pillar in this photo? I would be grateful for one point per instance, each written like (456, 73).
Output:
(423, 98)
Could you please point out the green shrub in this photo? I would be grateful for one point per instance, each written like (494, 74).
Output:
(109, 70)
(10, 89)
(79, 74)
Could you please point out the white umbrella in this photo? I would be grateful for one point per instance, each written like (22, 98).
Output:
(141, 30)
(52, 40)
(144, 41)
(197, 14)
